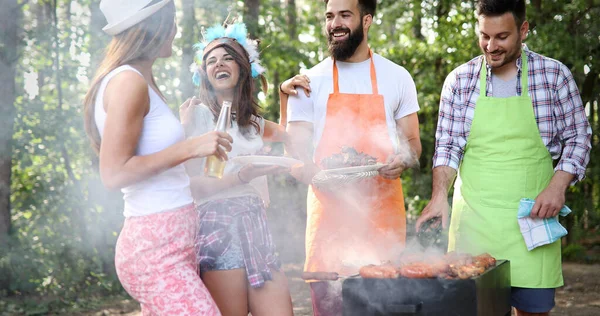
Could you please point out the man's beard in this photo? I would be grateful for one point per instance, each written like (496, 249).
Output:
(345, 49)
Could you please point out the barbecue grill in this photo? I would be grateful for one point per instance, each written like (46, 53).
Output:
(485, 295)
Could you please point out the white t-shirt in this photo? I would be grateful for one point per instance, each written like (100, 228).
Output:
(246, 143)
(169, 189)
(393, 82)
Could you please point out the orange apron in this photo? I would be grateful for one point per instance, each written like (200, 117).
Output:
(365, 221)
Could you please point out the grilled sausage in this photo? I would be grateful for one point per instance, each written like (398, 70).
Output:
(378, 272)
(390, 271)
(469, 270)
(371, 271)
(320, 276)
(485, 259)
(417, 270)
(439, 267)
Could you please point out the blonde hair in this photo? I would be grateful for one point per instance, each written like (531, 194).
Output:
(142, 41)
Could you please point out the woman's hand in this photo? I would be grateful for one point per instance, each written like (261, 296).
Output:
(289, 86)
(184, 109)
(211, 143)
(251, 171)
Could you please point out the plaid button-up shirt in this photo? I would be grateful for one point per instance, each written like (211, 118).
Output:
(557, 105)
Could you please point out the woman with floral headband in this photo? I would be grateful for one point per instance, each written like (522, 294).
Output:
(237, 256)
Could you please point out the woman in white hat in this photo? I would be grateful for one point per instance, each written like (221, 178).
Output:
(142, 151)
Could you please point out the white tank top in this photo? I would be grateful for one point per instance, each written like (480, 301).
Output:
(161, 129)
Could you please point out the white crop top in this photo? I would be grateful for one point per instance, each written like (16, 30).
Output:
(161, 129)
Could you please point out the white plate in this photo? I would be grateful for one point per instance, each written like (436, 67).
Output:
(352, 170)
(266, 161)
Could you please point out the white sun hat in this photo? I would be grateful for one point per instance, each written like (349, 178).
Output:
(123, 14)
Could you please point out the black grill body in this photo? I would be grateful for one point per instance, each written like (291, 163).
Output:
(485, 295)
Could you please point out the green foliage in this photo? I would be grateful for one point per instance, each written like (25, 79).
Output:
(573, 252)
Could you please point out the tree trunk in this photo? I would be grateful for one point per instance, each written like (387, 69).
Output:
(251, 10)
(189, 37)
(276, 83)
(97, 39)
(416, 23)
(291, 19)
(10, 15)
(10, 41)
(539, 16)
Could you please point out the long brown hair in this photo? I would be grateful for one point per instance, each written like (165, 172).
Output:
(142, 41)
(244, 103)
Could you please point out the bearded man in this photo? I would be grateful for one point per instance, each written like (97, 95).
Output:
(361, 100)
(505, 116)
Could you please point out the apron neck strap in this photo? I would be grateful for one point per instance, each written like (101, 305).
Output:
(336, 86)
(524, 76)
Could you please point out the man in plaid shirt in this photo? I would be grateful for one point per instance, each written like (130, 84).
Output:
(504, 117)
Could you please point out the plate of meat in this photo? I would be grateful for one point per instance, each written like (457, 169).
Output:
(266, 160)
(347, 166)
(348, 157)
(357, 169)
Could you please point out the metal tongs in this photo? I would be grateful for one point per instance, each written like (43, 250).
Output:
(430, 232)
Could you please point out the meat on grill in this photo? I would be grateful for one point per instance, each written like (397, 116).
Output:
(321, 276)
(383, 271)
(348, 157)
(450, 266)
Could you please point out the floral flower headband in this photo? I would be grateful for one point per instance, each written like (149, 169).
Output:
(217, 36)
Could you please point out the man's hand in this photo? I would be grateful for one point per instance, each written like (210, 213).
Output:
(551, 200)
(289, 86)
(436, 208)
(548, 203)
(393, 169)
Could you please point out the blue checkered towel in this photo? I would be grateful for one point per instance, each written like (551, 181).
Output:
(539, 231)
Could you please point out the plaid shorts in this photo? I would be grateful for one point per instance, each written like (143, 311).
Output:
(234, 234)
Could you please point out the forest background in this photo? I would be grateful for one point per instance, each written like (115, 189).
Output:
(58, 225)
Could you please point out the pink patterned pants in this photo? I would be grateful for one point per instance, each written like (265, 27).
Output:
(156, 264)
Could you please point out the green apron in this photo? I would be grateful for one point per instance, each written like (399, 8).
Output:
(505, 160)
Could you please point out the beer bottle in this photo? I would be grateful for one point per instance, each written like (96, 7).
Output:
(214, 166)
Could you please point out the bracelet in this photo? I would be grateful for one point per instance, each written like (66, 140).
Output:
(240, 177)
(281, 90)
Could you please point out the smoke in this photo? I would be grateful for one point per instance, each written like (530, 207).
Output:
(331, 300)
(363, 243)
